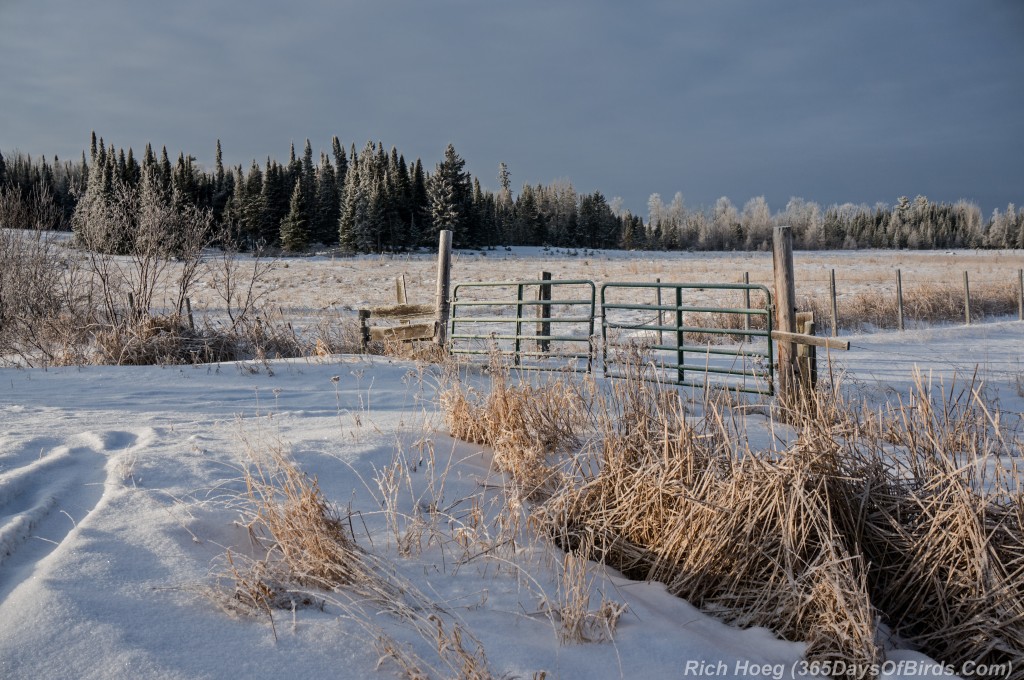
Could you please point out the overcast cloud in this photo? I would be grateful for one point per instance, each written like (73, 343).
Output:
(832, 102)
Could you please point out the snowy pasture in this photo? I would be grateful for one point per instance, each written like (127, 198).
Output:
(121, 489)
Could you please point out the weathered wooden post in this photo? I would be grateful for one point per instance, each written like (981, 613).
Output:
(807, 354)
(401, 296)
(544, 313)
(442, 299)
(1020, 294)
(364, 329)
(785, 308)
(899, 297)
(967, 300)
(835, 307)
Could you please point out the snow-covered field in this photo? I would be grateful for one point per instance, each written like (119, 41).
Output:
(317, 284)
(120, 490)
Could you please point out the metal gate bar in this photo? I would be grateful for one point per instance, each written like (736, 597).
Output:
(760, 371)
(505, 334)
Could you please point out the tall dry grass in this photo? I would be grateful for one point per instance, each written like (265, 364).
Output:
(923, 304)
(912, 516)
(306, 554)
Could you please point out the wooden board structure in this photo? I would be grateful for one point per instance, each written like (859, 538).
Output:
(402, 331)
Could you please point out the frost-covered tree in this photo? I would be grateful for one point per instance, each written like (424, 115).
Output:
(450, 194)
(655, 210)
(726, 230)
(757, 224)
(351, 228)
(444, 209)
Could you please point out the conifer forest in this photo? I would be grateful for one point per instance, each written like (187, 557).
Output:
(375, 200)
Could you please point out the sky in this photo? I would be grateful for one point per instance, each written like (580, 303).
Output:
(833, 102)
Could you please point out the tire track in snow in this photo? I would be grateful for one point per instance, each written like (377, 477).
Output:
(43, 500)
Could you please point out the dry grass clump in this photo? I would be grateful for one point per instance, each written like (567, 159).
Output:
(746, 538)
(296, 525)
(914, 516)
(171, 339)
(525, 425)
(162, 340)
(577, 622)
(310, 558)
(942, 529)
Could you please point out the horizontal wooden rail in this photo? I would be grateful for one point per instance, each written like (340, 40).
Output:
(422, 331)
(801, 339)
(398, 311)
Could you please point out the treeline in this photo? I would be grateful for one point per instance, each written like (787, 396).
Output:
(373, 200)
(916, 224)
(362, 201)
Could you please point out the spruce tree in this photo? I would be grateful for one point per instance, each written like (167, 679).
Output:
(276, 199)
(218, 162)
(253, 206)
(165, 170)
(340, 163)
(308, 175)
(132, 169)
(295, 226)
(328, 204)
(122, 167)
(349, 209)
(444, 213)
(450, 197)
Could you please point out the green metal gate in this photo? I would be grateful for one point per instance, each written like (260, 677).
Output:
(541, 324)
(687, 339)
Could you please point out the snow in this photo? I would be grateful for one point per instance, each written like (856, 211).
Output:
(118, 501)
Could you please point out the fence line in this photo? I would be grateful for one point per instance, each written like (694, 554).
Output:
(974, 303)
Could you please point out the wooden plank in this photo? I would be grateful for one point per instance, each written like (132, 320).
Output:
(801, 339)
(420, 331)
(396, 311)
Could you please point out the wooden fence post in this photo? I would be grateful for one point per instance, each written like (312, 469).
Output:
(807, 355)
(785, 308)
(835, 307)
(364, 329)
(967, 300)
(1020, 294)
(444, 281)
(401, 296)
(544, 313)
(899, 297)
